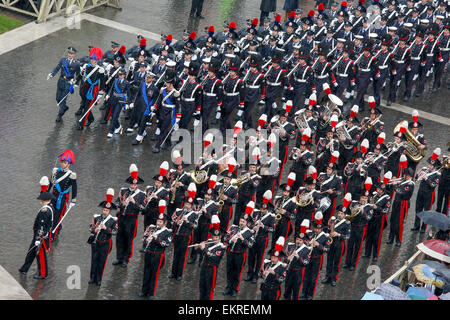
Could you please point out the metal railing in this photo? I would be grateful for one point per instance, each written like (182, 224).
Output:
(45, 9)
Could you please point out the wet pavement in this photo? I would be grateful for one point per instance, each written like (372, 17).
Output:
(30, 140)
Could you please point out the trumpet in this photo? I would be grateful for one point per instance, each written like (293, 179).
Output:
(241, 180)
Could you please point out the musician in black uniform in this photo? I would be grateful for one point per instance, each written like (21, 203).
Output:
(276, 80)
(367, 68)
(381, 203)
(325, 147)
(400, 206)
(246, 192)
(348, 144)
(70, 71)
(400, 63)
(238, 238)
(341, 233)
(273, 273)
(254, 89)
(212, 93)
(191, 96)
(185, 221)
(330, 185)
(155, 257)
(361, 213)
(63, 182)
(318, 242)
(129, 202)
(297, 258)
(153, 194)
(212, 255)
(285, 207)
(234, 94)
(92, 87)
(429, 180)
(264, 223)
(306, 210)
(226, 192)
(102, 227)
(40, 244)
(356, 173)
(443, 198)
(302, 158)
(393, 160)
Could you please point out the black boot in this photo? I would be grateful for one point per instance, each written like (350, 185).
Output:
(79, 112)
(326, 280)
(155, 149)
(249, 277)
(116, 262)
(58, 118)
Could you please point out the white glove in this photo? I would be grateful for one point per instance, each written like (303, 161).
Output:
(422, 64)
(175, 126)
(130, 58)
(101, 70)
(153, 108)
(37, 243)
(158, 131)
(49, 76)
(335, 84)
(108, 67)
(218, 115)
(274, 105)
(408, 69)
(107, 97)
(127, 107)
(131, 105)
(394, 72)
(240, 112)
(196, 122)
(101, 92)
(72, 81)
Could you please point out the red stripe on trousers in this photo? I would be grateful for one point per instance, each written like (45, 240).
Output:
(333, 208)
(339, 264)
(262, 257)
(134, 236)
(380, 235)
(301, 283)
(109, 250)
(109, 115)
(211, 295)
(318, 272)
(345, 188)
(402, 212)
(157, 273)
(242, 268)
(282, 166)
(42, 260)
(185, 254)
(94, 97)
(288, 228)
(448, 205)
(230, 215)
(360, 247)
(278, 294)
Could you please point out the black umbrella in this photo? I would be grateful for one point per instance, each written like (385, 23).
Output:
(435, 219)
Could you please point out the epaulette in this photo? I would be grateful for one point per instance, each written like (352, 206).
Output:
(96, 215)
(73, 175)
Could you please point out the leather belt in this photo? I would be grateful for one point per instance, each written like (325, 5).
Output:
(171, 106)
(365, 70)
(189, 99)
(399, 61)
(253, 87)
(382, 67)
(415, 58)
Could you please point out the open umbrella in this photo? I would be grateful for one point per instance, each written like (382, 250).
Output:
(419, 293)
(371, 296)
(435, 219)
(445, 296)
(391, 292)
(435, 249)
(440, 269)
(424, 273)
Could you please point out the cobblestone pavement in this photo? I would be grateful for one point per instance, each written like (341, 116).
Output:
(30, 140)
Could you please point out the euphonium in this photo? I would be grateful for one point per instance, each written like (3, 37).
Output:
(412, 144)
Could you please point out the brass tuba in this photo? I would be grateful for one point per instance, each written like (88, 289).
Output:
(412, 144)
(341, 131)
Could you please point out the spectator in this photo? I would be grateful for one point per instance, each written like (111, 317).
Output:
(289, 5)
(266, 7)
(196, 9)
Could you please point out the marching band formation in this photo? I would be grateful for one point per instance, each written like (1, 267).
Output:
(345, 184)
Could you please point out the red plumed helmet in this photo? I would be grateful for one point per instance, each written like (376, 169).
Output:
(250, 207)
(321, 7)
(231, 163)
(262, 120)
(403, 127)
(403, 161)
(381, 137)
(68, 156)
(256, 153)
(344, 3)
(169, 39)
(133, 171)
(312, 99)
(364, 145)
(415, 116)
(208, 139)
(368, 183)
(272, 140)
(176, 156)
(291, 179)
(436, 154)
(334, 157)
(387, 177)
(334, 120)
(96, 53)
(318, 217)
(238, 127)
(371, 101)
(312, 171)
(354, 111)
(288, 105)
(215, 222)
(278, 246)
(193, 35)
(267, 196)
(143, 42)
(255, 22)
(311, 13)
(192, 190)
(232, 25)
(123, 49)
(44, 182)
(292, 14)
(212, 181)
(306, 134)
(278, 18)
(163, 168)
(162, 206)
(109, 195)
(347, 200)
(326, 87)
(211, 29)
(304, 226)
